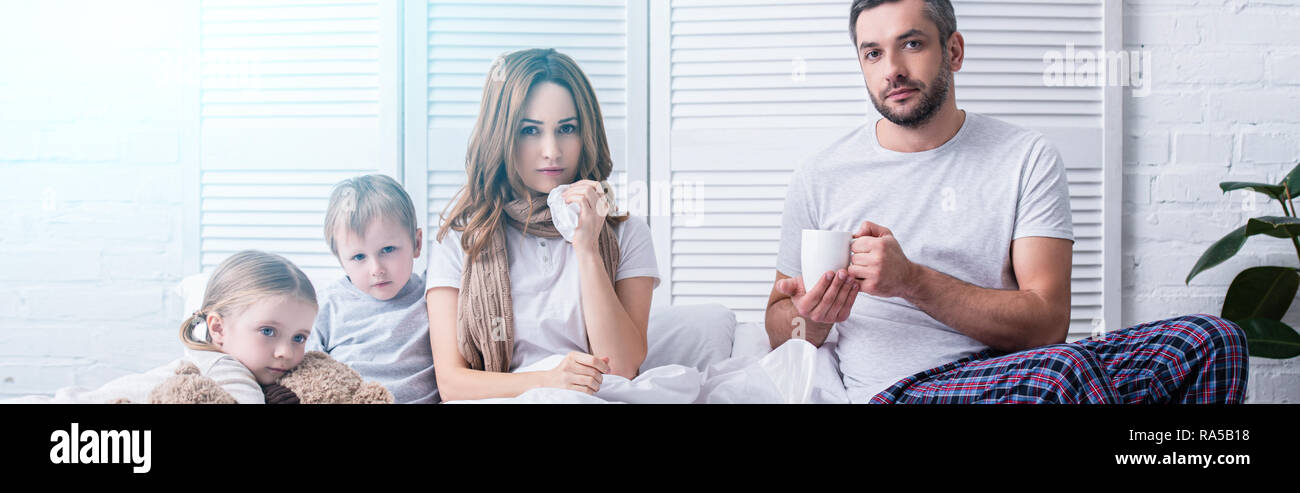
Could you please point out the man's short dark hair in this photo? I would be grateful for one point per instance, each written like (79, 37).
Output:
(939, 11)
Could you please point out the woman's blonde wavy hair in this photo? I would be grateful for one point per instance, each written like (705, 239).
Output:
(491, 176)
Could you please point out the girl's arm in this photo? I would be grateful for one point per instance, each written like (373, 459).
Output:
(456, 381)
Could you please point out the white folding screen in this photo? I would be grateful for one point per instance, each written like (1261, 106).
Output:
(723, 98)
(743, 92)
(458, 41)
(295, 95)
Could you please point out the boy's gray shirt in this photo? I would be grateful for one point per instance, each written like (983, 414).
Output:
(384, 341)
(955, 208)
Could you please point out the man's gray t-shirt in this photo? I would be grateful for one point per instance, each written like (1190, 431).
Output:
(385, 341)
(955, 208)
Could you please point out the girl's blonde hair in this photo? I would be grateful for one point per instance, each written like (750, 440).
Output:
(241, 280)
(491, 177)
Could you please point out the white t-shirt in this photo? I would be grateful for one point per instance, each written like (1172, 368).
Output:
(955, 208)
(544, 285)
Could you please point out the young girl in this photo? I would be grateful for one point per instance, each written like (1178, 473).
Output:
(505, 289)
(258, 309)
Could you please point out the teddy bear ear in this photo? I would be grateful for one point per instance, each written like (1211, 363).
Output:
(315, 355)
(187, 368)
(190, 389)
(372, 393)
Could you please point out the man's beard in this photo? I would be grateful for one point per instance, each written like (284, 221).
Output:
(932, 97)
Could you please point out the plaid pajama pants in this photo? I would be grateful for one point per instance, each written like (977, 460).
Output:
(1192, 359)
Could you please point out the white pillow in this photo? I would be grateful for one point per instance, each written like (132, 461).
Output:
(751, 340)
(689, 335)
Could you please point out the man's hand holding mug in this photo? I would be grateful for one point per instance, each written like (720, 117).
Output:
(878, 264)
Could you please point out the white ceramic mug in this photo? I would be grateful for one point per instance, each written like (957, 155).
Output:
(823, 251)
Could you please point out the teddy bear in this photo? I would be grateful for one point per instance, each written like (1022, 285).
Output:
(319, 379)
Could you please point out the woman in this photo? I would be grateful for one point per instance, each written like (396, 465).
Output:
(505, 290)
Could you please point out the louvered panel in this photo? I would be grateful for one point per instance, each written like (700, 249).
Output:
(260, 232)
(284, 60)
(294, 97)
(220, 11)
(325, 53)
(291, 41)
(745, 74)
(768, 58)
(253, 87)
(284, 4)
(276, 27)
(443, 186)
(735, 237)
(281, 211)
(464, 37)
(321, 269)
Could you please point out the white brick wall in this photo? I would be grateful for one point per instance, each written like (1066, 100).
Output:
(1223, 106)
(90, 176)
(90, 191)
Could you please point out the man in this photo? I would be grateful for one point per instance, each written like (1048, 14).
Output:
(958, 288)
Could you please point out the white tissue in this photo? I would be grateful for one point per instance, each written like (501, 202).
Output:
(565, 216)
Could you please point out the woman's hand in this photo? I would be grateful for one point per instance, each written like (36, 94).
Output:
(579, 371)
(594, 207)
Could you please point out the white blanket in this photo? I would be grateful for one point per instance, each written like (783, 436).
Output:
(795, 372)
(232, 376)
(671, 384)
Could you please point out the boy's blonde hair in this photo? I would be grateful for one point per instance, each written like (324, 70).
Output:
(241, 280)
(358, 200)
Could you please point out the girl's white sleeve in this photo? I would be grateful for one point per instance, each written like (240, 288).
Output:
(237, 381)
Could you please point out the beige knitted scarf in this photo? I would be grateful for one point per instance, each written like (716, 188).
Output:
(485, 325)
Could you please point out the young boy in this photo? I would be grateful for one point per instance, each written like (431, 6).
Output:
(374, 320)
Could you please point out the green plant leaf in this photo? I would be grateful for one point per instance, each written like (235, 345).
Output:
(1275, 226)
(1261, 292)
(1292, 181)
(1273, 191)
(1221, 250)
(1269, 338)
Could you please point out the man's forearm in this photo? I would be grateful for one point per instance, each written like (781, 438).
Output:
(1006, 320)
(782, 320)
